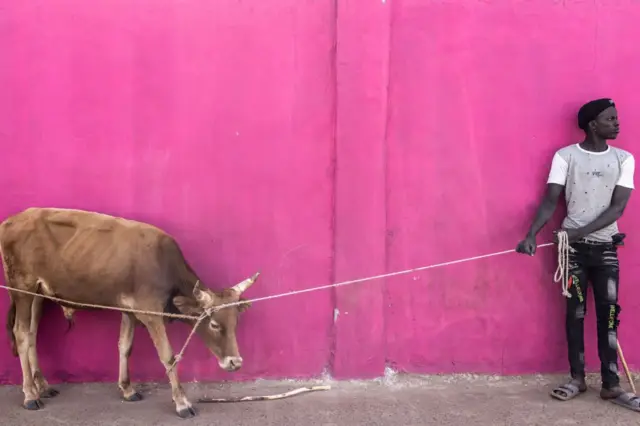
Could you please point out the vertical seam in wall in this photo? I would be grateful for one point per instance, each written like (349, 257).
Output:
(388, 235)
(334, 165)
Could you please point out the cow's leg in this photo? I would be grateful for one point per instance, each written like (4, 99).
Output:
(44, 390)
(158, 333)
(24, 341)
(127, 329)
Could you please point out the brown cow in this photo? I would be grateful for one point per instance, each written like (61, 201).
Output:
(93, 258)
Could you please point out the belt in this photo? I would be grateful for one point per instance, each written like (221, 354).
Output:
(594, 242)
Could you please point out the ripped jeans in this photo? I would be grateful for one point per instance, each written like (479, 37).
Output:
(598, 264)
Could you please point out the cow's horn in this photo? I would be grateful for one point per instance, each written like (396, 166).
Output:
(244, 285)
(197, 293)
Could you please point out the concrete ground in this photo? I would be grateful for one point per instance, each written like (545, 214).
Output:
(399, 401)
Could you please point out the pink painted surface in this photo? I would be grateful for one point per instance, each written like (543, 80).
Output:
(204, 118)
(480, 96)
(319, 143)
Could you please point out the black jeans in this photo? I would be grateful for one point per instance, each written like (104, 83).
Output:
(598, 264)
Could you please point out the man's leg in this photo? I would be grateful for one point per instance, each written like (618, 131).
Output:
(605, 290)
(605, 280)
(576, 310)
(576, 307)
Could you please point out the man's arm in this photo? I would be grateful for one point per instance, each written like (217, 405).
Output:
(619, 201)
(555, 184)
(546, 209)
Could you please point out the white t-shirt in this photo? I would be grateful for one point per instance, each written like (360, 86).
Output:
(589, 179)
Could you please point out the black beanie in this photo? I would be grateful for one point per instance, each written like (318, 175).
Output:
(590, 111)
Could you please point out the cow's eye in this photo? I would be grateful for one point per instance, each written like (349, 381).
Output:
(214, 326)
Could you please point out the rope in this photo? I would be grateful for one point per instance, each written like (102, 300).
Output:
(324, 287)
(375, 277)
(562, 272)
(92, 306)
(178, 357)
(210, 311)
(267, 397)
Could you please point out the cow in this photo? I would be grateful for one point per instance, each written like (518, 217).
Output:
(94, 258)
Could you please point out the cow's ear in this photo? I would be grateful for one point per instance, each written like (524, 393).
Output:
(187, 306)
(244, 306)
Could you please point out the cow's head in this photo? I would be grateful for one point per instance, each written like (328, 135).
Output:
(218, 331)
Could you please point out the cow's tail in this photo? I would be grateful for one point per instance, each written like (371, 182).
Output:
(11, 320)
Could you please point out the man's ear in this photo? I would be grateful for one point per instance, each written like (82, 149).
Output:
(243, 306)
(187, 306)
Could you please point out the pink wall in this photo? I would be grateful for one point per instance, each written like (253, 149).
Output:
(320, 142)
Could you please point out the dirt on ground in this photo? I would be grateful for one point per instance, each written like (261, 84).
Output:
(399, 401)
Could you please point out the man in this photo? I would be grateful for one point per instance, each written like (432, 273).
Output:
(597, 180)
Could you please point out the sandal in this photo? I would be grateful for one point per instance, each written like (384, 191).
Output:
(569, 390)
(623, 399)
(628, 400)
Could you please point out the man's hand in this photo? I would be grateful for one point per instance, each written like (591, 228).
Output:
(527, 246)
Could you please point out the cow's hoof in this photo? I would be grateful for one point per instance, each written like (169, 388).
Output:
(49, 393)
(187, 412)
(34, 404)
(134, 397)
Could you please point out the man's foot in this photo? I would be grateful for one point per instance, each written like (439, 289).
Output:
(611, 393)
(618, 396)
(569, 390)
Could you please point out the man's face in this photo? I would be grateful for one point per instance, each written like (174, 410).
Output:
(606, 125)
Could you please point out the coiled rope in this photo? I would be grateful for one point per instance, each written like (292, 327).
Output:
(562, 272)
